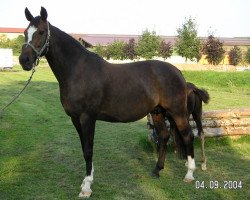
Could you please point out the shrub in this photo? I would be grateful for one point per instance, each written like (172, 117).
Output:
(247, 56)
(129, 49)
(166, 49)
(213, 49)
(100, 50)
(235, 56)
(115, 50)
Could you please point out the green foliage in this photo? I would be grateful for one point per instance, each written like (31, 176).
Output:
(4, 41)
(129, 49)
(100, 50)
(15, 44)
(247, 56)
(213, 49)
(235, 56)
(166, 49)
(148, 45)
(115, 50)
(188, 45)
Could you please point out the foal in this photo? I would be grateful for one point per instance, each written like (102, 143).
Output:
(194, 104)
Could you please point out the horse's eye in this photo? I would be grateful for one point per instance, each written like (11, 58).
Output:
(41, 32)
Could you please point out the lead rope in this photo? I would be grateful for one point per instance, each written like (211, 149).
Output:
(18, 94)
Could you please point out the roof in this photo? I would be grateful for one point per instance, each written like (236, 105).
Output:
(245, 41)
(105, 39)
(11, 30)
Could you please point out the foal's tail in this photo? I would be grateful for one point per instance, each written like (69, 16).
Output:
(202, 93)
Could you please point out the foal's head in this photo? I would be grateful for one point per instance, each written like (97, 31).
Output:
(36, 39)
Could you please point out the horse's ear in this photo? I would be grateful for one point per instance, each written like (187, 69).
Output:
(43, 14)
(28, 15)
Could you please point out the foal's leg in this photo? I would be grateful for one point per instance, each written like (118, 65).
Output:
(197, 119)
(188, 137)
(85, 127)
(161, 128)
(203, 156)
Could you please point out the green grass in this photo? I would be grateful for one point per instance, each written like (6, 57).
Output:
(41, 158)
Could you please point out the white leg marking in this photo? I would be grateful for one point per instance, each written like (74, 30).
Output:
(86, 184)
(31, 31)
(191, 167)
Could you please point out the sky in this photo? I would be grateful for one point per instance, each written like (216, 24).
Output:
(223, 18)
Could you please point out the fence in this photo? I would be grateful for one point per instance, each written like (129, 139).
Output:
(225, 122)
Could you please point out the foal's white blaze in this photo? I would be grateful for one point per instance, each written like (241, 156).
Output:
(191, 167)
(86, 184)
(31, 30)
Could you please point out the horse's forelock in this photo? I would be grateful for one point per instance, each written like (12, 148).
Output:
(35, 21)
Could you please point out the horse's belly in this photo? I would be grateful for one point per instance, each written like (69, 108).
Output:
(126, 111)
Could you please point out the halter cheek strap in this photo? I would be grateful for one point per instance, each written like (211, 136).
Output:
(45, 46)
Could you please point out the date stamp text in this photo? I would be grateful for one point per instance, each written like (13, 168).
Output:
(213, 184)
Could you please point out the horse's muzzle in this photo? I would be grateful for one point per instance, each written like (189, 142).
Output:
(26, 62)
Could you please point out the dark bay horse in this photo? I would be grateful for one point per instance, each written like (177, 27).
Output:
(194, 105)
(92, 89)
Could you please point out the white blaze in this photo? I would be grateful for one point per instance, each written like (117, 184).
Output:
(31, 31)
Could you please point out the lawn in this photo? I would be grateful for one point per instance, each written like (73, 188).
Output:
(41, 158)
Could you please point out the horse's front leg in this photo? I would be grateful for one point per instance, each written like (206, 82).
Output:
(161, 128)
(85, 127)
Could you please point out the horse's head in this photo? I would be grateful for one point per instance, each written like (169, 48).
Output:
(37, 36)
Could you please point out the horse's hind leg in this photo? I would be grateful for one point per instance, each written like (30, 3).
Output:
(161, 128)
(187, 137)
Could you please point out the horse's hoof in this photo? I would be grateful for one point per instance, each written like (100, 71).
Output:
(85, 195)
(188, 180)
(155, 174)
(203, 167)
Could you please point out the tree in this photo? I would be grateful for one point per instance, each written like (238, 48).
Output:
(148, 45)
(165, 50)
(15, 44)
(235, 56)
(188, 45)
(4, 41)
(115, 50)
(129, 49)
(247, 56)
(213, 49)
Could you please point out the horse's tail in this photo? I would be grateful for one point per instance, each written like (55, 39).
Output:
(202, 93)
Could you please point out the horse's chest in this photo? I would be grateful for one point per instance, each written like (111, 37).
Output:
(70, 104)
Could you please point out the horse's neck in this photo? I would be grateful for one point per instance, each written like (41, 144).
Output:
(63, 54)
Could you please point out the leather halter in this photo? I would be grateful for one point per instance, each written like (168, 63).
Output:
(39, 52)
